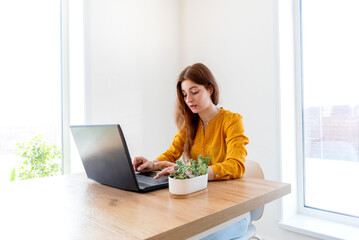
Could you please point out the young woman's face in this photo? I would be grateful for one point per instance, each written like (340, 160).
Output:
(196, 96)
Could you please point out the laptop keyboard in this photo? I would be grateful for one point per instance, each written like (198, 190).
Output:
(148, 179)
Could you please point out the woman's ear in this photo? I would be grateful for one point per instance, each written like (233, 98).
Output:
(211, 89)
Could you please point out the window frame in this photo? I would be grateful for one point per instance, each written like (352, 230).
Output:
(295, 217)
(73, 83)
(302, 209)
(65, 105)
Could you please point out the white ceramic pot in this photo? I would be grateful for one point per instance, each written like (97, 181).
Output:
(187, 186)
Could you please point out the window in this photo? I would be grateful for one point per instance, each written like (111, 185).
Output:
(330, 106)
(30, 88)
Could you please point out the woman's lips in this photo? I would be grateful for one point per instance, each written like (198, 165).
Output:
(192, 106)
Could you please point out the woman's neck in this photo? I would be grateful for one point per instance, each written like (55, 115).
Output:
(210, 113)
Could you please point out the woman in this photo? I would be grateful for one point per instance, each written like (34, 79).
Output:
(204, 128)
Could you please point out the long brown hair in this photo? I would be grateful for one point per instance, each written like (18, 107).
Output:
(185, 119)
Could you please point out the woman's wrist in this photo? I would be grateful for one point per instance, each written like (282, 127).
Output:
(210, 174)
(154, 167)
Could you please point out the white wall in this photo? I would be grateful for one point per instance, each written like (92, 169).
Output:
(135, 50)
(131, 65)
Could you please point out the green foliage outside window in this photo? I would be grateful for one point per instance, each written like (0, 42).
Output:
(39, 159)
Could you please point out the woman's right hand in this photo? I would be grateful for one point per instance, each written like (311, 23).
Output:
(141, 164)
(167, 167)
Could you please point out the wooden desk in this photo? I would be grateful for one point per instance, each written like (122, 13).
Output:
(74, 207)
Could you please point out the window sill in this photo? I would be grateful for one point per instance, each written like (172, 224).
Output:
(319, 228)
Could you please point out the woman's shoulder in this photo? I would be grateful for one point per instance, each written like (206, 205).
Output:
(231, 119)
(230, 116)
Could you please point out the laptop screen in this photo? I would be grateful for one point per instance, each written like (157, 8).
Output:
(105, 156)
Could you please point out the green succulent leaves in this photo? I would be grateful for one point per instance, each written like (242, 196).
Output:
(193, 169)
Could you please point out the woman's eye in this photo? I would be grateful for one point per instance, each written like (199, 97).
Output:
(184, 95)
(194, 93)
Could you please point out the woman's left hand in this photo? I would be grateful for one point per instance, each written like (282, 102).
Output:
(169, 167)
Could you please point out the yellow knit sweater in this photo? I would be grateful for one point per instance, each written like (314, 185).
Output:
(223, 141)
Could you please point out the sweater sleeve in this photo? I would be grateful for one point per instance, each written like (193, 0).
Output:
(175, 151)
(233, 165)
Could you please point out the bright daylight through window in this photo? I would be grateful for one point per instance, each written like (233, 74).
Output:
(30, 89)
(330, 83)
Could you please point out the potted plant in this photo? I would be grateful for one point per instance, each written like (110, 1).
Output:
(189, 177)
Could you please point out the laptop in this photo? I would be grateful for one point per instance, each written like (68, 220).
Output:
(106, 159)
